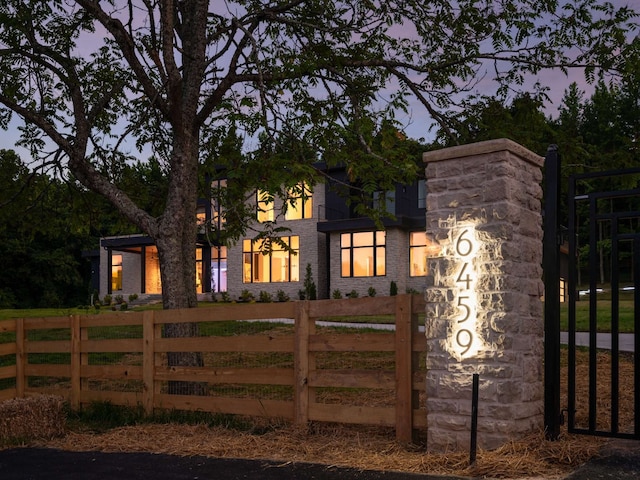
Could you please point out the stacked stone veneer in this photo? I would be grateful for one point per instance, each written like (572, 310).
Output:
(492, 189)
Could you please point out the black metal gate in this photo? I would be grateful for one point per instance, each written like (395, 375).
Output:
(600, 297)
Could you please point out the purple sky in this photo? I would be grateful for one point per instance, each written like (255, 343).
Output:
(417, 122)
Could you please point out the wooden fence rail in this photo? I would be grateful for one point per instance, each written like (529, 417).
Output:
(65, 356)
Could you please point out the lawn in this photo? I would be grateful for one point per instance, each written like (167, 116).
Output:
(582, 314)
(603, 315)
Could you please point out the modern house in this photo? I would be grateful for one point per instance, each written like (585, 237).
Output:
(346, 252)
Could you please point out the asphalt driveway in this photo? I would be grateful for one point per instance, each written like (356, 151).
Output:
(620, 461)
(50, 464)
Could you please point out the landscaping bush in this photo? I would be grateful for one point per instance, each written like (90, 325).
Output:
(246, 296)
(265, 297)
(281, 296)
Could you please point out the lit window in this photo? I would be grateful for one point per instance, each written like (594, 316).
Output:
(219, 269)
(116, 272)
(363, 254)
(418, 254)
(198, 270)
(201, 217)
(277, 265)
(265, 206)
(299, 203)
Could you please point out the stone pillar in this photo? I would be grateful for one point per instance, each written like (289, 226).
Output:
(484, 310)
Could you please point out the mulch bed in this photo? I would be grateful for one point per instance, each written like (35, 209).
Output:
(366, 448)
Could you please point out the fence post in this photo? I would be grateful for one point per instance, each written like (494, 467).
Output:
(301, 363)
(404, 369)
(20, 358)
(148, 361)
(551, 269)
(76, 361)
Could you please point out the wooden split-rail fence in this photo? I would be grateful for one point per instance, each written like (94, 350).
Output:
(62, 355)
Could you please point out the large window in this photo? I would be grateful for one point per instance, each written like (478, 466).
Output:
(278, 265)
(116, 272)
(363, 254)
(265, 206)
(299, 203)
(418, 254)
(218, 269)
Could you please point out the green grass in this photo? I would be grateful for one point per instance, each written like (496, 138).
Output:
(603, 315)
(46, 312)
(102, 416)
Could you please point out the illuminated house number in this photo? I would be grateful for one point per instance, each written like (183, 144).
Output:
(464, 323)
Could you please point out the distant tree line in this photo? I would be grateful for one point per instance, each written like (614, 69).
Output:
(46, 223)
(594, 134)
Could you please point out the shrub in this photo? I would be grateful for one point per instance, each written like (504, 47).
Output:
(310, 292)
(336, 294)
(106, 300)
(133, 297)
(353, 294)
(371, 292)
(7, 298)
(124, 306)
(225, 297)
(265, 297)
(118, 299)
(281, 296)
(393, 289)
(246, 296)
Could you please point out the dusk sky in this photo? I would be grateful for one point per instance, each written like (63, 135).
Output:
(417, 121)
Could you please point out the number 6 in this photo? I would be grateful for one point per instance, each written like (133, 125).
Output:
(463, 245)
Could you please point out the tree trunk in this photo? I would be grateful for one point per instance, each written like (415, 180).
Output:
(176, 243)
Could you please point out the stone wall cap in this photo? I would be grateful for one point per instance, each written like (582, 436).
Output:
(483, 148)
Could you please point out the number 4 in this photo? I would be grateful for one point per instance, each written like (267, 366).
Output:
(466, 279)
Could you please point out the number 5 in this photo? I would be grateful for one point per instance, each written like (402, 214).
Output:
(466, 307)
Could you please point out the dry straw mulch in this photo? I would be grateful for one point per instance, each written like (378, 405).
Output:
(359, 447)
(24, 419)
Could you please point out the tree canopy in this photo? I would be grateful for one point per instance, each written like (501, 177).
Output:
(99, 82)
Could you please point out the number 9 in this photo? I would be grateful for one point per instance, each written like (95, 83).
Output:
(469, 340)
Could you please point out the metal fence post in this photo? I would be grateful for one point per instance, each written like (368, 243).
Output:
(551, 269)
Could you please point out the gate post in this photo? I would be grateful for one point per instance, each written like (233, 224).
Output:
(551, 268)
(484, 311)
